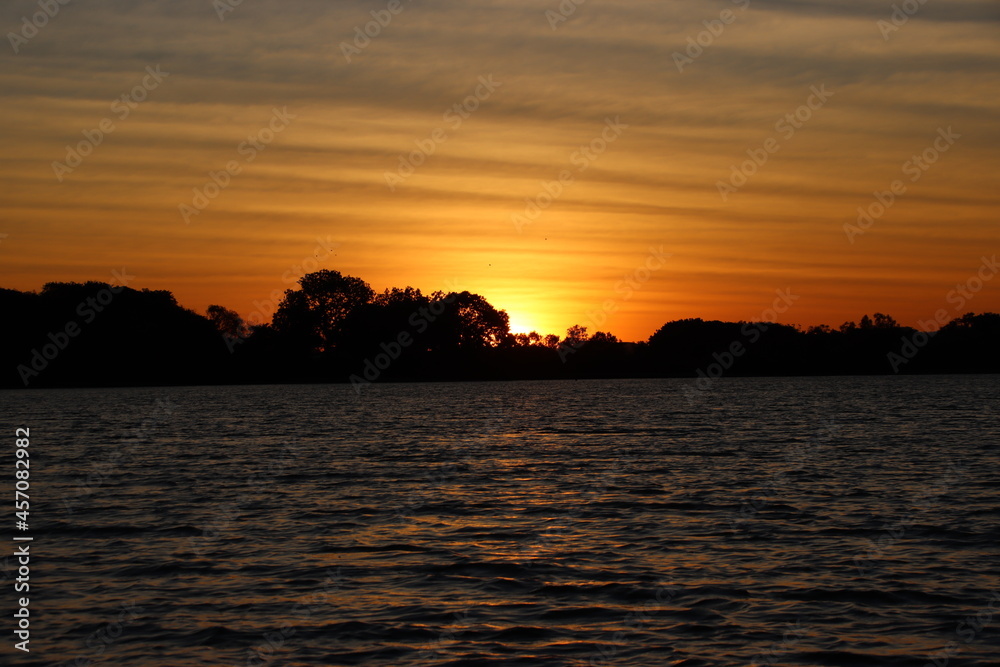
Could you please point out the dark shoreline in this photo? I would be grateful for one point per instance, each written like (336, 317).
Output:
(64, 337)
(345, 383)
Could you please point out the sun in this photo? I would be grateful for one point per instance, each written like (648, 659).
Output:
(521, 323)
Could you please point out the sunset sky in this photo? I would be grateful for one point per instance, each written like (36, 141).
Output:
(553, 87)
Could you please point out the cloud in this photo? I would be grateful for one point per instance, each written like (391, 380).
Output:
(686, 131)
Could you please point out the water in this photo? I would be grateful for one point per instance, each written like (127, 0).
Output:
(829, 521)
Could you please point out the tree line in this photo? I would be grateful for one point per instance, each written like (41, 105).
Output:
(335, 328)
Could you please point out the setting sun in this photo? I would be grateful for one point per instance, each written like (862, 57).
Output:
(525, 185)
(520, 323)
(270, 274)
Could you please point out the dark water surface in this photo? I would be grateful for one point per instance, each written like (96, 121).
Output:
(830, 521)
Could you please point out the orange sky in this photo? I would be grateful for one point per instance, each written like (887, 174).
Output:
(320, 182)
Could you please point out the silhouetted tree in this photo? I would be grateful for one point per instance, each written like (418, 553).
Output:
(885, 322)
(987, 322)
(395, 296)
(383, 320)
(296, 324)
(576, 336)
(848, 326)
(228, 322)
(315, 312)
(100, 334)
(471, 322)
(334, 326)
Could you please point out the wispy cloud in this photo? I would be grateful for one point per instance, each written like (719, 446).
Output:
(325, 174)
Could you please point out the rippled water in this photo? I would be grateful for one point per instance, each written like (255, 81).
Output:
(830, 521)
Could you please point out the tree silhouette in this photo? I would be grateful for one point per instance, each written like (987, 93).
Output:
(603, 337)
(472, 323)
(848, 326)
(334, 327)
(382, 320)
(395, 296)
(228, 322)
(885, 322)
(576, 336)
(314, 314)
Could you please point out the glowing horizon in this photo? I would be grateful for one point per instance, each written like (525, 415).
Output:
(553, 156)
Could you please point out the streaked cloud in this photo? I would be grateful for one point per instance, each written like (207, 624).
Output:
(657, 184)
